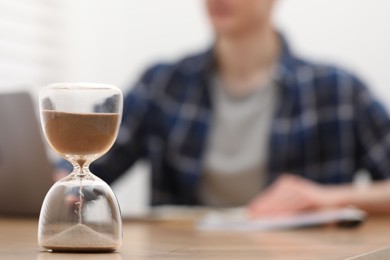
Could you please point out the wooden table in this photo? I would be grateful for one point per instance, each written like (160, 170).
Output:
(179, 240)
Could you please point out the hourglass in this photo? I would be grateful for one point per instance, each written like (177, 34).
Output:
(80, 212)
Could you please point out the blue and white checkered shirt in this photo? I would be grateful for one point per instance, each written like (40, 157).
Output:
(326, 126)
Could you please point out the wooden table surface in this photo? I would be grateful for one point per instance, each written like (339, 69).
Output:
(179, 240)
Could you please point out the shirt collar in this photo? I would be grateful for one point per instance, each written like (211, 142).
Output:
(284, 73)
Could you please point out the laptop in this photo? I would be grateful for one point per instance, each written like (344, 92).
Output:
(25, 169)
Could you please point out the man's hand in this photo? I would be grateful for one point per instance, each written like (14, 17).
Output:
(291, 194)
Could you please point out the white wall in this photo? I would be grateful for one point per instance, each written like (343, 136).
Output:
(350, 33)
(30, 43)
(113, 41)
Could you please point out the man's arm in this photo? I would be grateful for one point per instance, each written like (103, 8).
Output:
(292, 194)
(130, 144)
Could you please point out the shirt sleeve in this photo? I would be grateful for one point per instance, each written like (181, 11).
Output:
(372, 128)
(131, 141)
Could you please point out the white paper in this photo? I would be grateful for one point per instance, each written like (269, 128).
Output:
(238, 220)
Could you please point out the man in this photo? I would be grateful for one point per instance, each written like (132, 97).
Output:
(249, 123)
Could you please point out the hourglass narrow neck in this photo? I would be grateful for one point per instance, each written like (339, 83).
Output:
(81, 163)
(81, 167)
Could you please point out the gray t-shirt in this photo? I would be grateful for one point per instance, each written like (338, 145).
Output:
(234, 166)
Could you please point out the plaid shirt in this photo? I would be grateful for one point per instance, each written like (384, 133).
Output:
(326, 126)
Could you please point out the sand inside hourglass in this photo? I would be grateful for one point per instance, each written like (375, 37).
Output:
(74, 134)
(80, 136)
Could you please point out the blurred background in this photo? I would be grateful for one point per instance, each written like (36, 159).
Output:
(45, 41)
